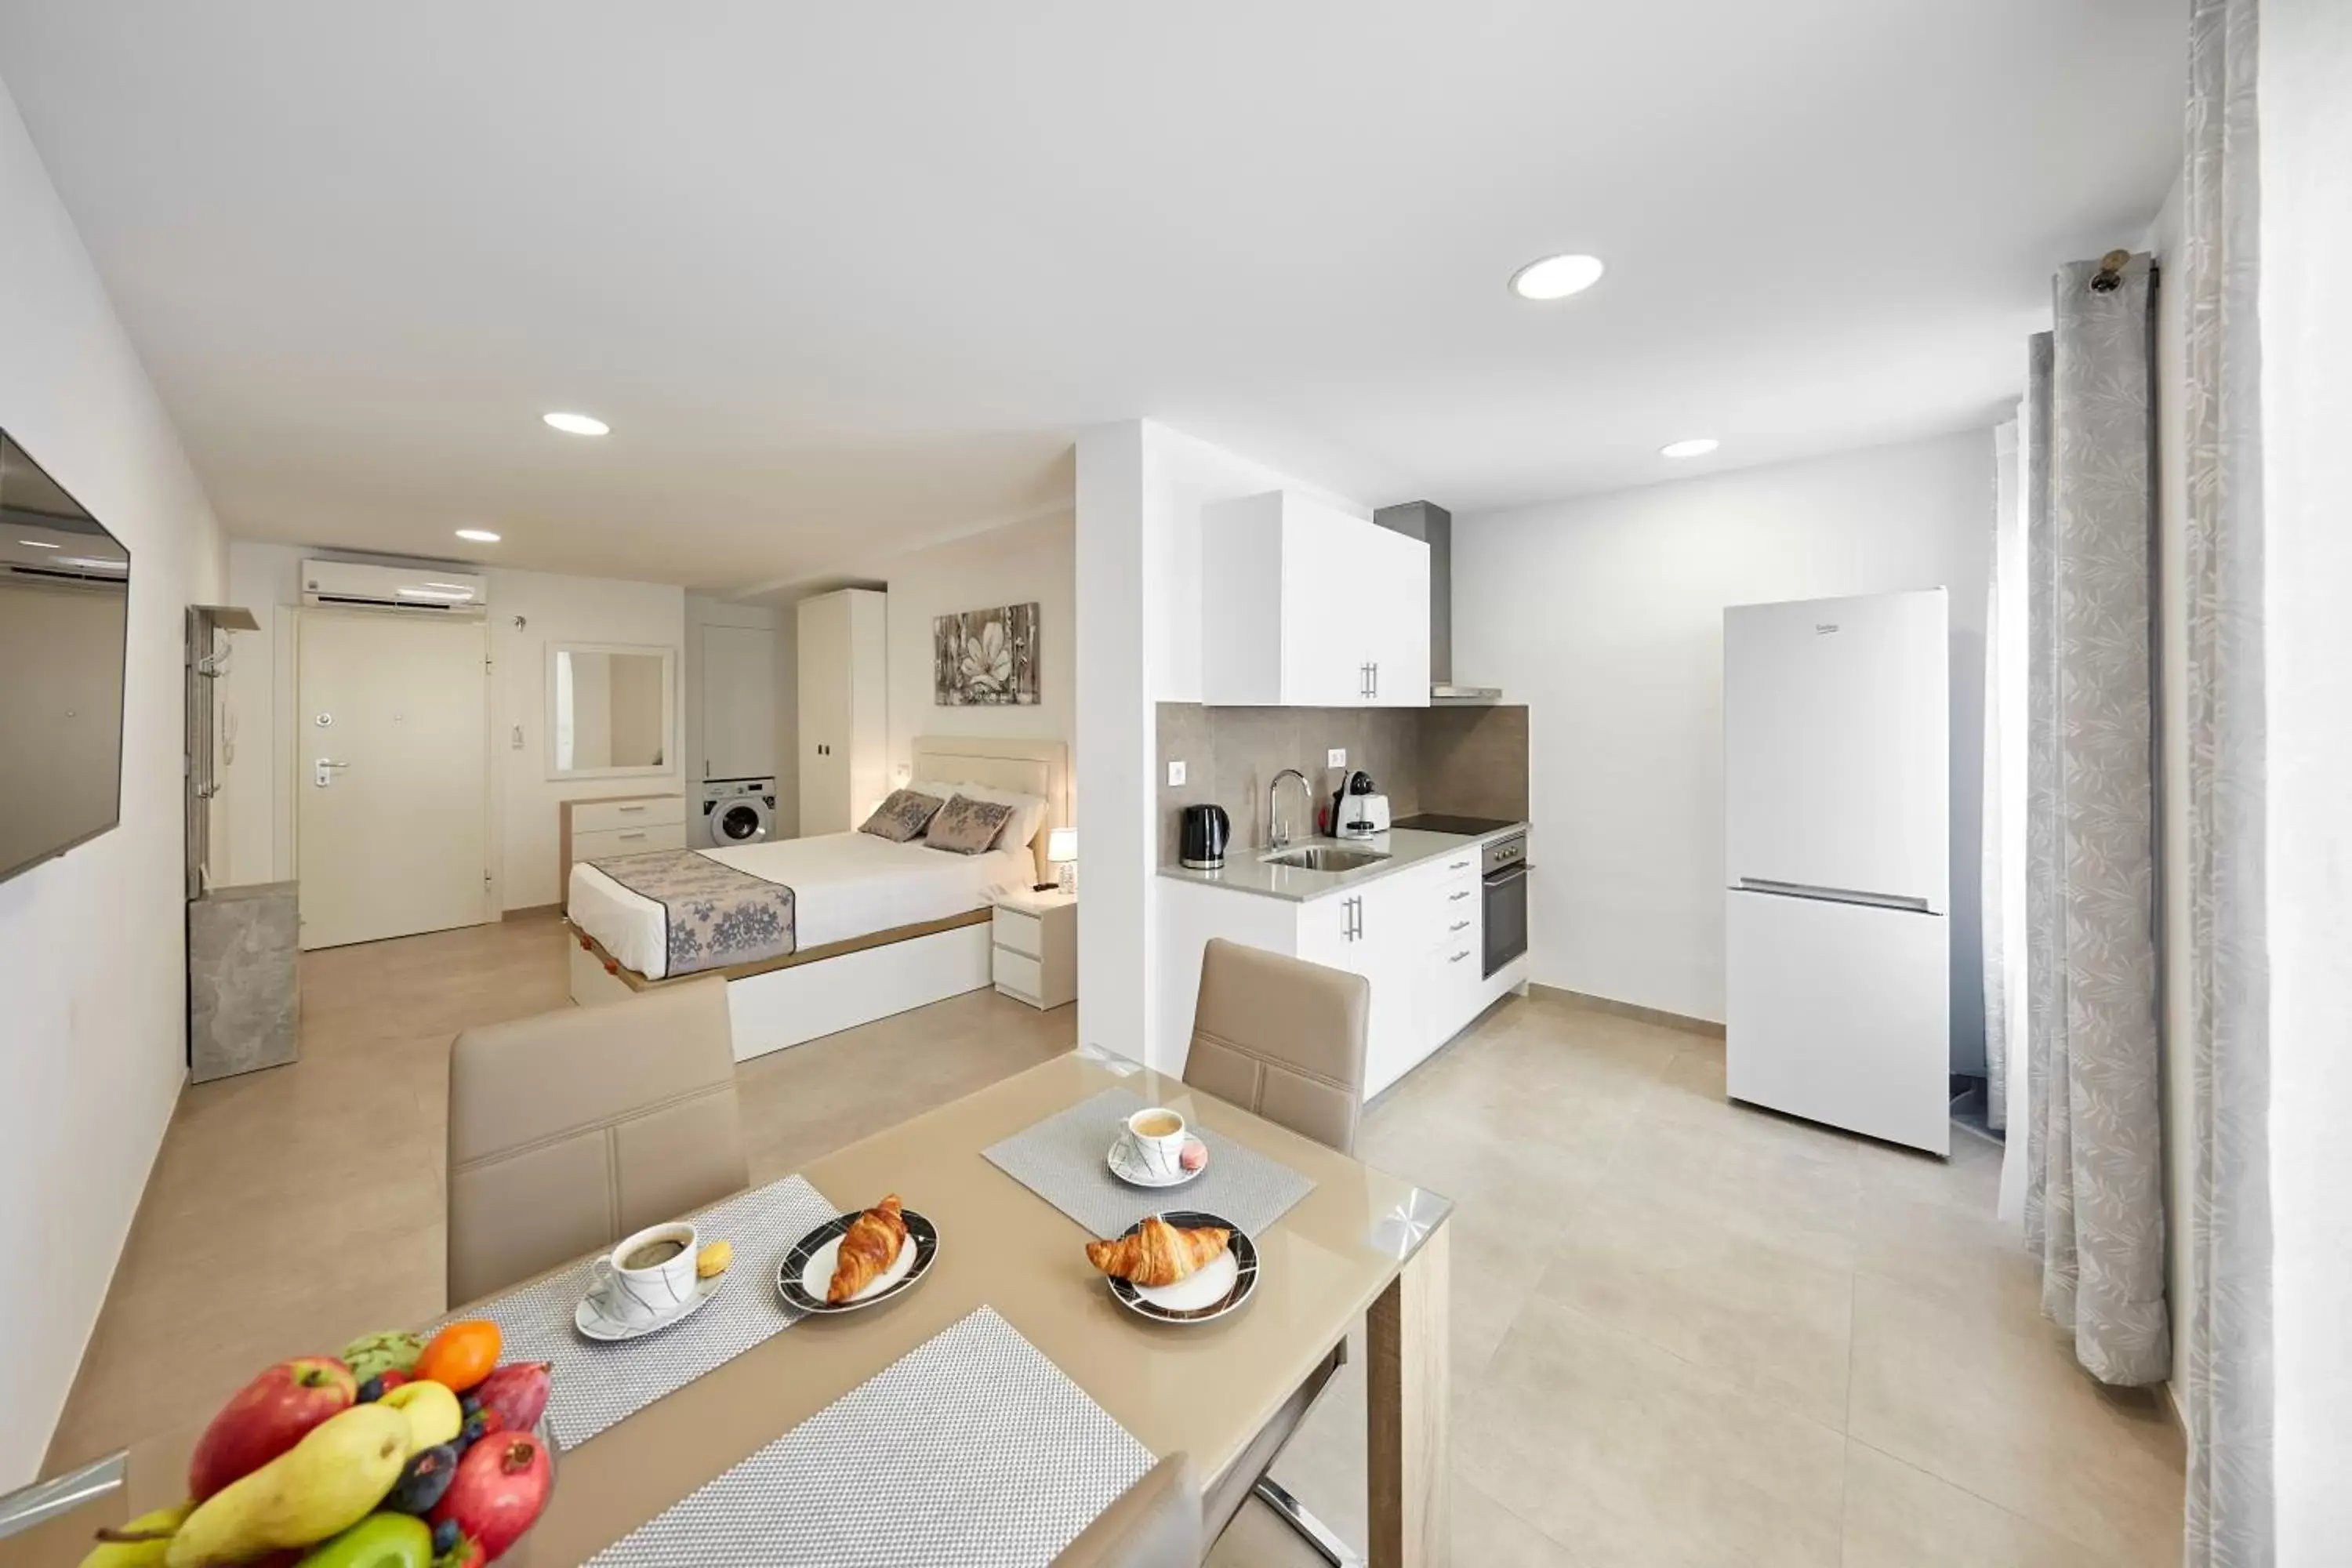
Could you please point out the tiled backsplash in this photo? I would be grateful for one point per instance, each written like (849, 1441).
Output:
(1231, 755)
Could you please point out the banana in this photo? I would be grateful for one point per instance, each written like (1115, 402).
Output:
(122, 1548)
(434, 1414)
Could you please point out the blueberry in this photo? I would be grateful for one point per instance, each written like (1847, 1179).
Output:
(446, 1536)
(371, 1391)
(469, 1404)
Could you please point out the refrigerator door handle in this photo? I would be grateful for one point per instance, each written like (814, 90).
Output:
(1833, 895)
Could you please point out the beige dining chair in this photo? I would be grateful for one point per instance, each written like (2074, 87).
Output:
(1155, 1524)
(568, 1131)
(1282, 1038)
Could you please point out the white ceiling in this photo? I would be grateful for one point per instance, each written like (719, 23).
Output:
(844, 276)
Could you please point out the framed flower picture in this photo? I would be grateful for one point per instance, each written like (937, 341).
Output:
(985, 658)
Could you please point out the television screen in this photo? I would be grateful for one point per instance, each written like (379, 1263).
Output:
(63, 598)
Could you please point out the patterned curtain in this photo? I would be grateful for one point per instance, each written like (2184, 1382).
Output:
(2094, 1203)
(2226, 1396)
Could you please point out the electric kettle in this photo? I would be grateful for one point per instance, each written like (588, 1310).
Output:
(1200, 845)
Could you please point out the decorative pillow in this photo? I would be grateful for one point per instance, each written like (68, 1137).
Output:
(902, 816)
(1020, 829)
(967, 826)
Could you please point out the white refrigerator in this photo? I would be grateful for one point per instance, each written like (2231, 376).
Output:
(1837, 813)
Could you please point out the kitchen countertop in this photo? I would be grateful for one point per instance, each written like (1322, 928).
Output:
(1406, 847)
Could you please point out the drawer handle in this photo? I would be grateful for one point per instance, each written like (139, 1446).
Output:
(1459, 956)
(1459, 865)
(1457, 898)
(640, 833)
(629, 808)
(1459, 925)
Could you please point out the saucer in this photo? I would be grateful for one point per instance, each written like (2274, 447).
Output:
(1210, 1291)
(597, 1326)
(807, 1269)
(1136, 1177)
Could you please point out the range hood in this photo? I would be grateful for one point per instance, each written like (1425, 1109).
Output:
(1433, 526)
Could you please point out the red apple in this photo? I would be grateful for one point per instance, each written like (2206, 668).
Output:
(268, 1417)
(502, 1486)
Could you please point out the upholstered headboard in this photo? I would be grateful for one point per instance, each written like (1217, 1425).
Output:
(1033, 767)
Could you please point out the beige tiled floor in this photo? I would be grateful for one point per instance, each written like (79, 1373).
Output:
(1689, 1333)
(1685, 1334)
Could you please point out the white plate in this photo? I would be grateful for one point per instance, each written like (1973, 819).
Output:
(1134, 1177)
(597, 1326)
(806, 1272)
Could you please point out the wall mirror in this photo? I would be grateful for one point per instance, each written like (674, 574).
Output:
(612, 711)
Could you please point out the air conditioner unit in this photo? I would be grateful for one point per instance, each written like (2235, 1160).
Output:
(426, 588)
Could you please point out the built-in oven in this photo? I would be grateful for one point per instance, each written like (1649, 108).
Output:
(1504, 899)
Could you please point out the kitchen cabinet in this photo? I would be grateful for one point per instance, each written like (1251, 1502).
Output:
(1414, 933)
(738, 669)
(1305, 606)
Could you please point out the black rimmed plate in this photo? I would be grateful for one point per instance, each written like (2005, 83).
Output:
(807, 1269)
(1210, 1291)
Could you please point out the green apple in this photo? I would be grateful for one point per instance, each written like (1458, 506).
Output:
(378, 1540)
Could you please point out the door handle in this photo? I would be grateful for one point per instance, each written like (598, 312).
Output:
(1376, 680)
(324, 770)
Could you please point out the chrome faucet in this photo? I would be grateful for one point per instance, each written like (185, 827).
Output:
(1276, 837)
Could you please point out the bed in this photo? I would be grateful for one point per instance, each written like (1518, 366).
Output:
(881, 927)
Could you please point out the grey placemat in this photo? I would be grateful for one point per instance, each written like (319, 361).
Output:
(596, 1384)
(971, 1451)
(1065, 1161)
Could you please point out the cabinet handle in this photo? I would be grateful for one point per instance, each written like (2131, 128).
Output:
(1457, 898)
(640, 833)
(628, 809)
(1459, 865)
(1376, 677)
(1459, 956)
(1459, 925)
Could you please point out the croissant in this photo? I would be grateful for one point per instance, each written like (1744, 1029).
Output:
(870, 1245)
(1158, 1253)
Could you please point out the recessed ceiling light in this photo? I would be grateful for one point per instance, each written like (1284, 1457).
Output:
(1555, 276)
(39, 544)
(478, 535)
(1697, 446)
(578, 424)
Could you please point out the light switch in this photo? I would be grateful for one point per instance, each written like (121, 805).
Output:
(1337, 757)
(1175, 775)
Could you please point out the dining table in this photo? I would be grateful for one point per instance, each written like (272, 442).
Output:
(1359, 1245)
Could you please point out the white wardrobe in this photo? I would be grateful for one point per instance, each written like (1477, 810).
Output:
(845, 739)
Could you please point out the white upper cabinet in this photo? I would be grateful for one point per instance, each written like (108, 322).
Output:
(1305, 606)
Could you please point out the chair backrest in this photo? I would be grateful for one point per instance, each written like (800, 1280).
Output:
(568, 1131)
(1155, 1524)
(1283, 1038)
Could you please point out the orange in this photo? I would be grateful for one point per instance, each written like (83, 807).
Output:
(461, 1355)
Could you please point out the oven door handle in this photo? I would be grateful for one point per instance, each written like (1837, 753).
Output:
(1509, 874)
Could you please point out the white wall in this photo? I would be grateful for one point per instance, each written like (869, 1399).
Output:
(2306, 146)
(555, 608)
(1141, 486)
(1605, 617)
(92, 945)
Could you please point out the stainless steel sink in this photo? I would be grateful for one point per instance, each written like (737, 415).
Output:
(1324, 858)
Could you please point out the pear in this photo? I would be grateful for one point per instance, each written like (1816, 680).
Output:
(141, 1543)
(327, 1482)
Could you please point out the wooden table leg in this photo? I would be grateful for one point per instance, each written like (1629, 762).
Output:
(1407, 1444)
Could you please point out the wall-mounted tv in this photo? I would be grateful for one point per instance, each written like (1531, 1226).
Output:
(65, 591)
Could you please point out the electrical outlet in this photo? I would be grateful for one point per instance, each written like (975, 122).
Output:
(1337, 757)
(1175, 775)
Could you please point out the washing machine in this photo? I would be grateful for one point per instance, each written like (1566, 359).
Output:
(739, 811)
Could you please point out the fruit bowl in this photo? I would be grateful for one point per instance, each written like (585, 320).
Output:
(401, 1452)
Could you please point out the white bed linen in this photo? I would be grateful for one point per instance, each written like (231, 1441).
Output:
(844, 885)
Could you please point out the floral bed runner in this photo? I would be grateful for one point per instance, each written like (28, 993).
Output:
(715, 915)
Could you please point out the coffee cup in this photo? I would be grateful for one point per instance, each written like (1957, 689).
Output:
(1154, 1143)
(649, 1275)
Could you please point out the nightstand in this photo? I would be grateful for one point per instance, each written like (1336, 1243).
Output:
(1035, 953)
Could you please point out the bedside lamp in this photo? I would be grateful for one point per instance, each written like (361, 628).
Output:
(1062, 849)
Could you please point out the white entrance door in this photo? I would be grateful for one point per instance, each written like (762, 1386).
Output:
(392, 754)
